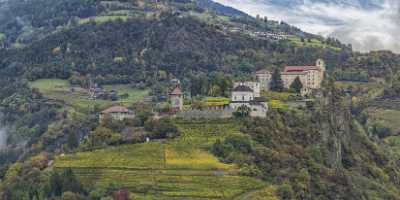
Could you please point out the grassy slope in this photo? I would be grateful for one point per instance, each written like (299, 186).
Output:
(78, 99)
(312, 43)
(135, 95)
(386, 117)
(181, 168)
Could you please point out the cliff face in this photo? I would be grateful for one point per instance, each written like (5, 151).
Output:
(359, 163)
(323, 153)
(335, 122)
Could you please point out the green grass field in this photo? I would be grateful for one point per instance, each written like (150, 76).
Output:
(134, 95)
(77, 98)
(102, 19)
(367, 90)
(386, 117)
(282, 96)
(177, 169)
(312, 43)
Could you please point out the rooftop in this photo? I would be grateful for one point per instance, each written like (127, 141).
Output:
(263, 71)
(300, 68)
(117, 109)
(242, 88)
(176, 91)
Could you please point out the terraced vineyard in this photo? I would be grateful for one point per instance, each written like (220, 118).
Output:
(169, 170)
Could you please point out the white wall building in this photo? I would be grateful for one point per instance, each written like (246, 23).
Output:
(244, 95)
(118, 113)
(310, 76)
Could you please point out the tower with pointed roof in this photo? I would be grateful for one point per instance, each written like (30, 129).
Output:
(176, 99)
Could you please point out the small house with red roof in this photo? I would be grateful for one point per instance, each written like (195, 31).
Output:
(176, 99)
(118, 113)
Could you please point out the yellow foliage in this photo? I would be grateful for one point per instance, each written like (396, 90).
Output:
(56, 50)
(193, 158)
(119, 59)
(40, 161)
(12, 173)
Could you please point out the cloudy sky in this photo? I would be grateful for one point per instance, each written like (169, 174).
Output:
(366, 29)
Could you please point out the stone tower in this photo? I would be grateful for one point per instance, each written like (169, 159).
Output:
(176, 98)
(321, 65)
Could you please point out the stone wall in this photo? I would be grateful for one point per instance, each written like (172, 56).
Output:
(206, 114)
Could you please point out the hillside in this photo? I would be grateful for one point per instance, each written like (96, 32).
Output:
(63, 62)
(177, 169)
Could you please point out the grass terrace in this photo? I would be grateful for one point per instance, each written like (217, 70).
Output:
(310, 43)
(217, 101)
(178, 169)
(78, 98)
(282, 96)
(386, 117)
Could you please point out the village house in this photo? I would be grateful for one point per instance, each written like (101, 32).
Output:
(310, 76)
(176, 99)
(118, 113)
(242, 94)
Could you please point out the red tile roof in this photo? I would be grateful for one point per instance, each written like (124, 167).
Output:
(263, 71)
(300, 68)
(117, 109)
(176, 91)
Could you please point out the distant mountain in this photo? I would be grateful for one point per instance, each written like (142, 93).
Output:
(365, 4)
(220, 9)
(366, 24)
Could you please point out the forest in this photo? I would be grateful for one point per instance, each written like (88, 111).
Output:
(331, 148)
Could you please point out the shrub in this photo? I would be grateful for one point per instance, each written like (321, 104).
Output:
(233, 148)
(285, 192)
(161, 129)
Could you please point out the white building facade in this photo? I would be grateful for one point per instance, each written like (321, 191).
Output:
(310, 76)
(243, 95)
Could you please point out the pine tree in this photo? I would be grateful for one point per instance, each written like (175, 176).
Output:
(296, 85)
(276, 82)
(55, 185)
(70, 182)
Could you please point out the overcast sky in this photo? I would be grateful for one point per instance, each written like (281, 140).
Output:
(365, 29)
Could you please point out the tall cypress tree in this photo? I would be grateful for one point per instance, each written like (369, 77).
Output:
(296, 85)
(276, 81)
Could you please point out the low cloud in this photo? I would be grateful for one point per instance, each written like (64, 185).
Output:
(366, 30)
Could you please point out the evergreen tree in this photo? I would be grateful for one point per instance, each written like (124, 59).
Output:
(276, 82)
(70, 183)
(296, 85)
(73, 140)
(55, 185)
(242, 111)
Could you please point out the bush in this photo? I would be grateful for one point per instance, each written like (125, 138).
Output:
(380, 131)
(233, 147)
(161, 129)
(285, 192)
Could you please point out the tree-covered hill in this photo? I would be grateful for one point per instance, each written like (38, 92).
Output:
(53, 51)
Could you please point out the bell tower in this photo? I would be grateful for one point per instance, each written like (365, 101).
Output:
(321, 65)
